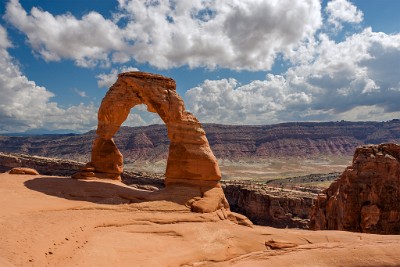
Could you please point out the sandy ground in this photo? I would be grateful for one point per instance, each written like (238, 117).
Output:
(55, 221)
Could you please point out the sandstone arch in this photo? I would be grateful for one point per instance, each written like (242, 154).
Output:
(190, 163)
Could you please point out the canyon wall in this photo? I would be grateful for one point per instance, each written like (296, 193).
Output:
(366, 197)
(270, 206)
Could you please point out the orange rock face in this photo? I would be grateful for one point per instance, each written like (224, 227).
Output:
(190, 159)
(366, 198)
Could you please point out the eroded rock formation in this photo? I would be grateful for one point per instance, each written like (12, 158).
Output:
(366, 198)
(47, 166)
(270, 206)
(190, 159)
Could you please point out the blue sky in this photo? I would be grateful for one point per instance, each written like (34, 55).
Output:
(235, 62)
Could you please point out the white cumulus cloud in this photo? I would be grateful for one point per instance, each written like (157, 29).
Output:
(80, 93)
(25, 105)
(340, 11)
(239, 34)
(87, 40)
(355, 79)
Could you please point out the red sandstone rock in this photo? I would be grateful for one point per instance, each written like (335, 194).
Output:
(190, 159)
(21, 170)
(56, 221)
(366, 198)
(270, 206)
(46, 166)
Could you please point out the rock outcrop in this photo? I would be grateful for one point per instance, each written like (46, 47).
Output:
(63, 167)
(190, 159)
(47, 166)
(270, 206)
(366, 198)
(28, 171)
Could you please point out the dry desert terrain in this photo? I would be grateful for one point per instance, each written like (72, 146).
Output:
(58, 221)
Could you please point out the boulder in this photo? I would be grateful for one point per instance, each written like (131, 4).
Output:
(21, 170)
(366, 197)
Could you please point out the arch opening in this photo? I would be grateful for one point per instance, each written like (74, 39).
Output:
(143, 142)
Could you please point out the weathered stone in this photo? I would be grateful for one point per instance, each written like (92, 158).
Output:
(190, 159)
(88, 174)
(46, 166)
(21, 170)
(272, 244)
(88, 169)
(366, 196)
(270, 206)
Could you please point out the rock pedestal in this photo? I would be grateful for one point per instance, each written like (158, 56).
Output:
(190, 159)
(366, 198)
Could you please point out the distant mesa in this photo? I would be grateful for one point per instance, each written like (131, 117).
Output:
(190, 163)
(233, 142)
(366, 198)
(42, 131)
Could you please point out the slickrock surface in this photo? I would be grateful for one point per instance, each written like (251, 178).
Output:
(366, 198)
(285, 204)
(55, 221)
(190, 159)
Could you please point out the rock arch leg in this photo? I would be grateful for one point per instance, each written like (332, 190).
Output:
(106, 159)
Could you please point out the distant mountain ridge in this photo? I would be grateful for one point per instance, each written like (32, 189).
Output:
(41, 131)
(150, 143)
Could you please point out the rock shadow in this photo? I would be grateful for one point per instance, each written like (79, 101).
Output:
(106, 192)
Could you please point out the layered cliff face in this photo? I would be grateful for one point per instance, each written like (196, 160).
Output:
(150, 143)
(366, 198)
(271, 206)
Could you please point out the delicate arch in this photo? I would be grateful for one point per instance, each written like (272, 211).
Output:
(190, 159)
